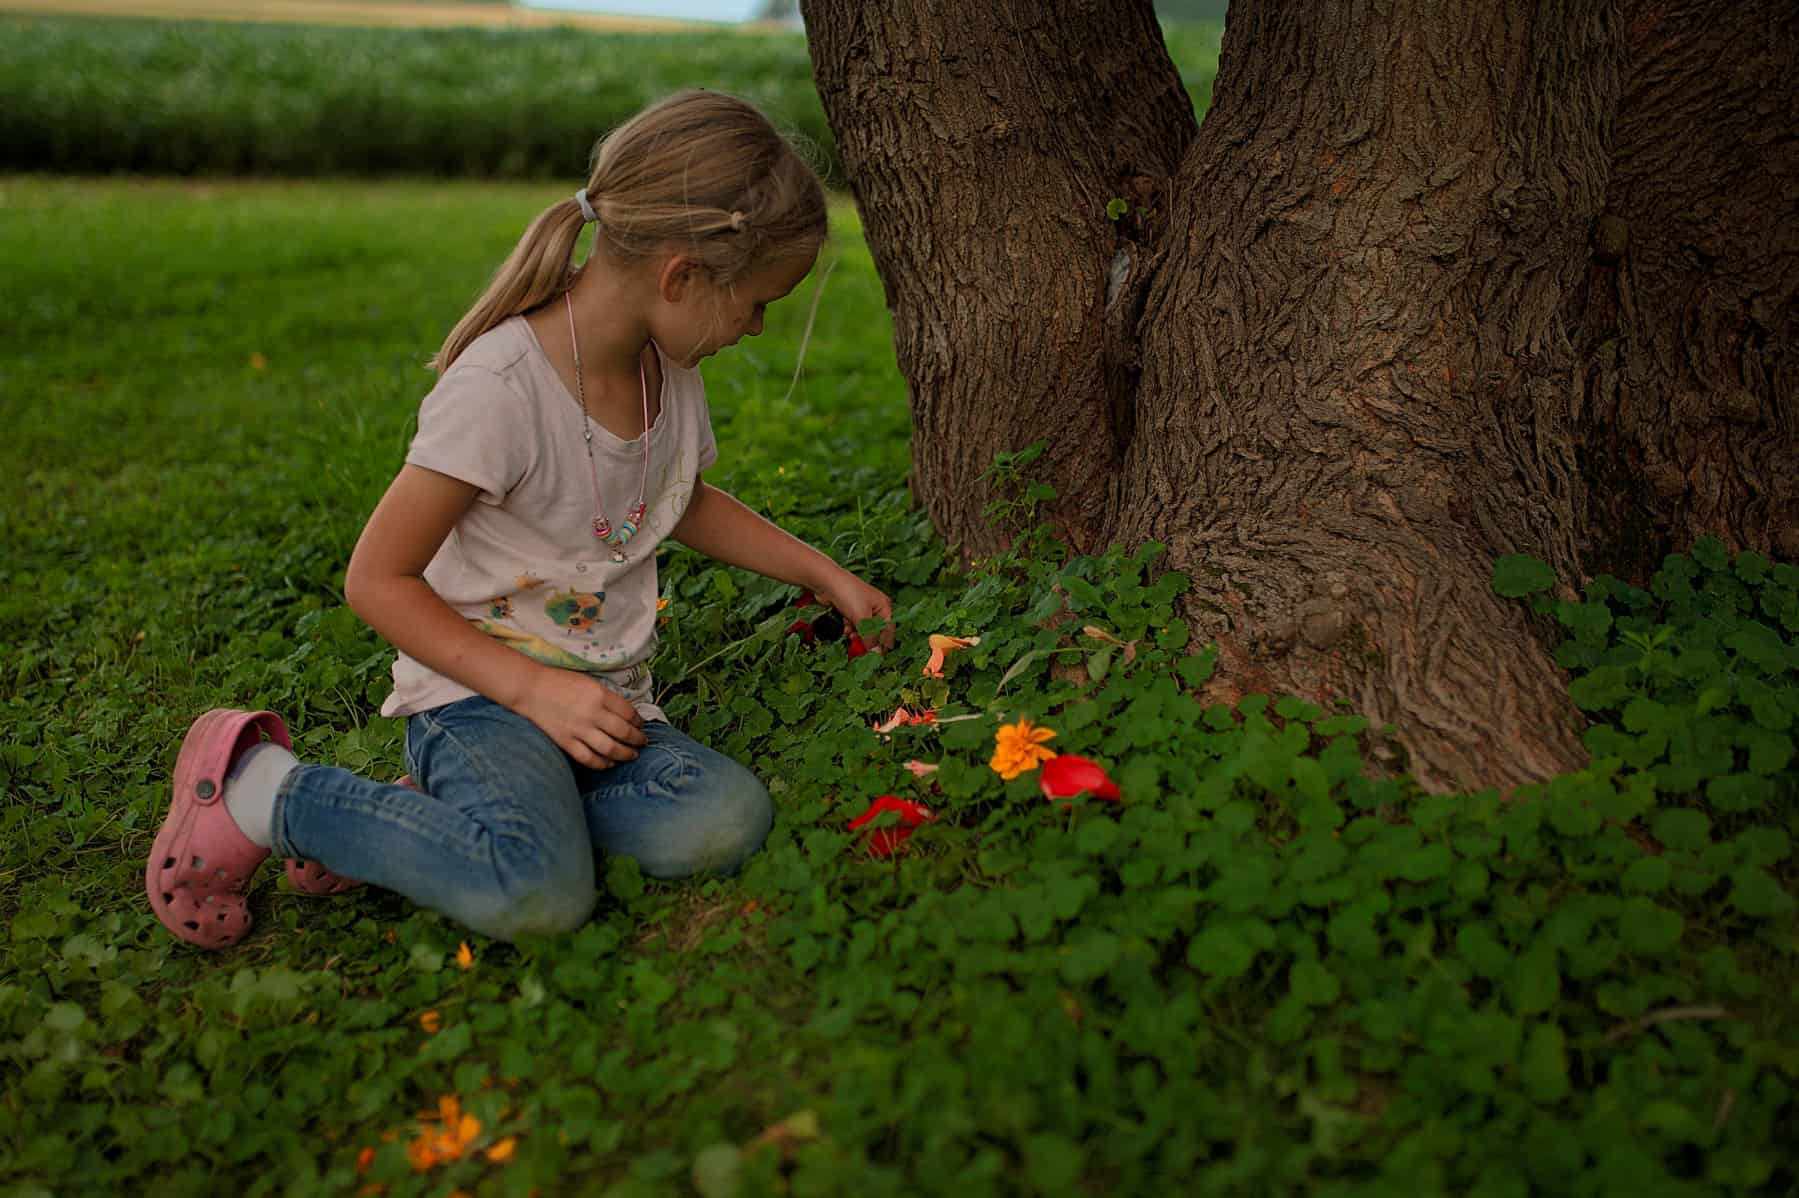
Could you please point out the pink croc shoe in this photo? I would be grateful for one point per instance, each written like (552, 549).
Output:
(309, 877)
(201, 863)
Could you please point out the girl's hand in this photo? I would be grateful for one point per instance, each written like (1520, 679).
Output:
(589, 721)
(855, 600)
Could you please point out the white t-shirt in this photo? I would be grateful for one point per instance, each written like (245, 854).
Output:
(523, 565)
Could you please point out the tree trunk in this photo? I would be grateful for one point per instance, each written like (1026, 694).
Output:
(1325, 357)
(1688, 320)
(983, 142)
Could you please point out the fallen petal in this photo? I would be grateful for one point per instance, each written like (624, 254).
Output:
(882, 842)
(922, 769)
(1068, 775)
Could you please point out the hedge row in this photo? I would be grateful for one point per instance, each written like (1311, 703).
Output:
(202, 98)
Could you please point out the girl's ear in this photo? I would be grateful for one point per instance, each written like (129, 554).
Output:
(678, 277)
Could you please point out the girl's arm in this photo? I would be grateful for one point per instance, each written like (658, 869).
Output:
(385, 586)
(721, 527)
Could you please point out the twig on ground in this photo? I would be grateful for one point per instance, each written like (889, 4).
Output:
(1665, 1015)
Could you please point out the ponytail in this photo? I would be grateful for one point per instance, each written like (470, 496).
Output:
(538, 269)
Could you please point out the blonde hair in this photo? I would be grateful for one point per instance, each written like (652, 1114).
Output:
(700, 170)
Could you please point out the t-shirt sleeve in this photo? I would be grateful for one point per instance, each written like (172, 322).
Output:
(708, 443)
(472, 427)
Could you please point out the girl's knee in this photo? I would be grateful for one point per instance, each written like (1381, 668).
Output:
(737, 820)
(549, 903)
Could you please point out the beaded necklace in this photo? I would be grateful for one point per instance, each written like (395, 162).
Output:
(602, 527)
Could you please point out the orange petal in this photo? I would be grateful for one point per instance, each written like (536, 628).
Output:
(364, 1159)
(421, 1154)
(431, 1021)
(501, 1152)
(467, 1128)
(941, 645)
(464, 958)
(891, 722)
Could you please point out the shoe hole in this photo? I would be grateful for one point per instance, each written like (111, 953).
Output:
(167, 898)
(199, 863)
(190, 925)
(168, 863)
(218, 873)
(221, 917)
(210, 900)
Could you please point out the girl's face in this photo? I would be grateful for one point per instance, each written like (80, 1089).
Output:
(709, 317)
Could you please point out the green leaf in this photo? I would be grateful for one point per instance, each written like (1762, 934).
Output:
(1197, 670)
(1518, 574)
(1544, 1066)
(1711, 553)
(1052, 1163)
(1089, 956)
(1647, 928)
(1755, 892)
(1536, 981)
(1222, 949)
(1115, 208)
(718, 1171)
(1313, 984)
(1682, 828)
(1649, 875)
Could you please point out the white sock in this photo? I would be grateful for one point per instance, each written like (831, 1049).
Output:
(250, 790)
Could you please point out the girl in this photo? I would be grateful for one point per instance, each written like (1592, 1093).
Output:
(512, 562)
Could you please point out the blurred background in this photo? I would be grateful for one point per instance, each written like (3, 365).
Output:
(468, 88)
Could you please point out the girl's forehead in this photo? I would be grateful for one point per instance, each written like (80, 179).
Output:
(782, 275)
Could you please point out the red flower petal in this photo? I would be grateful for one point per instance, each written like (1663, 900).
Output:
(883, 841)
(804, 628)
(806, 599)
(1066, 775)
(857, 648)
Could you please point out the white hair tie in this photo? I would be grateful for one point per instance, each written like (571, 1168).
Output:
(588, 215)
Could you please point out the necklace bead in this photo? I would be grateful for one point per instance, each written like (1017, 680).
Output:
(602, 527)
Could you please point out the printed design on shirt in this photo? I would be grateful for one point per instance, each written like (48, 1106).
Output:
(527, 581)
(501, 608)
(536, 648)
(577, 611)
(677, 479)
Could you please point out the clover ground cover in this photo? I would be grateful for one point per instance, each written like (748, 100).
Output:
(1261, 970)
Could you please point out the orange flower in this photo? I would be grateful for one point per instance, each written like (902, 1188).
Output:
(446, 1142)
(464, 958)
(431, 1021)
(901, 717)
(501, 1152)
(364, 1159)
(941, 645)
(1018, 748)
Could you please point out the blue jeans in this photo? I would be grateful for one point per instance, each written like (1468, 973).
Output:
(502, 832)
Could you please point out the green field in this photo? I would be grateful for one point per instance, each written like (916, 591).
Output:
(199, 98)
(1261, 973)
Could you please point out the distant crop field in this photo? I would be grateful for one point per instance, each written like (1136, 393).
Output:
(333, 93)
(404, 13)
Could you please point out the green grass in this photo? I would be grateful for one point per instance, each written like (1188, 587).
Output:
(1265, 972)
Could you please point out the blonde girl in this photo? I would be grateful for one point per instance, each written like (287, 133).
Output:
(512, 564)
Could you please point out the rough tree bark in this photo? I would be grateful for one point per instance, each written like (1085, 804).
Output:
(1327, 361)
(1688, 321)
(983, 142)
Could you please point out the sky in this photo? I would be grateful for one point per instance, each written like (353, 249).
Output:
(691, 10)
